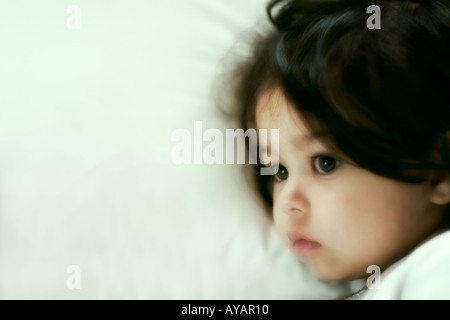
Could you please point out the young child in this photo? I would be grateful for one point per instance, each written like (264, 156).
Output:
(364, 139)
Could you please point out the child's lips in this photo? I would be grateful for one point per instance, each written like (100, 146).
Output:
(301, 243)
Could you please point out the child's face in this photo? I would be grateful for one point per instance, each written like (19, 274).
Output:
(352, 218)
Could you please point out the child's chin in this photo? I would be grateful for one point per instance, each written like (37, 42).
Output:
(334, 275)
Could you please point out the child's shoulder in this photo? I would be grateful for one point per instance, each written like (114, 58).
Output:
(423, 274)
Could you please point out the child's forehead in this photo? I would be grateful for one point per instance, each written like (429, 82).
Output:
(270, 102)
(274, 111)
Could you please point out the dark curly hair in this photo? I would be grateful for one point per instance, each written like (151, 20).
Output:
(381, 97)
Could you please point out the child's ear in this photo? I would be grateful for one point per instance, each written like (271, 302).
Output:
(441, 192)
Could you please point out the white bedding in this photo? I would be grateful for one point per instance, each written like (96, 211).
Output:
(86, 176)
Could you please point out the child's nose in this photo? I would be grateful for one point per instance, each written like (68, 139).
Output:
(293, 198)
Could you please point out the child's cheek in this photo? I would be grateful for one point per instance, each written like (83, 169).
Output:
(338, 218)
(280, 221)
(280, 218)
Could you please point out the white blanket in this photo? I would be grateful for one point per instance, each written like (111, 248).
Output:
(422, 274)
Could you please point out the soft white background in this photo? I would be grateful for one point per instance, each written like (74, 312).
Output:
(86, 176)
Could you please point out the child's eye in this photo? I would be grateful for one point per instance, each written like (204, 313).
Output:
(281, 175)
(324, 165)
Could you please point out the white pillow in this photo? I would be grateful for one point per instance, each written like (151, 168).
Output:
(86, 174)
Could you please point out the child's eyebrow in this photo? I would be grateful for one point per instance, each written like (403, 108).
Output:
(311, 138)
(305, 139)
(322, 139)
